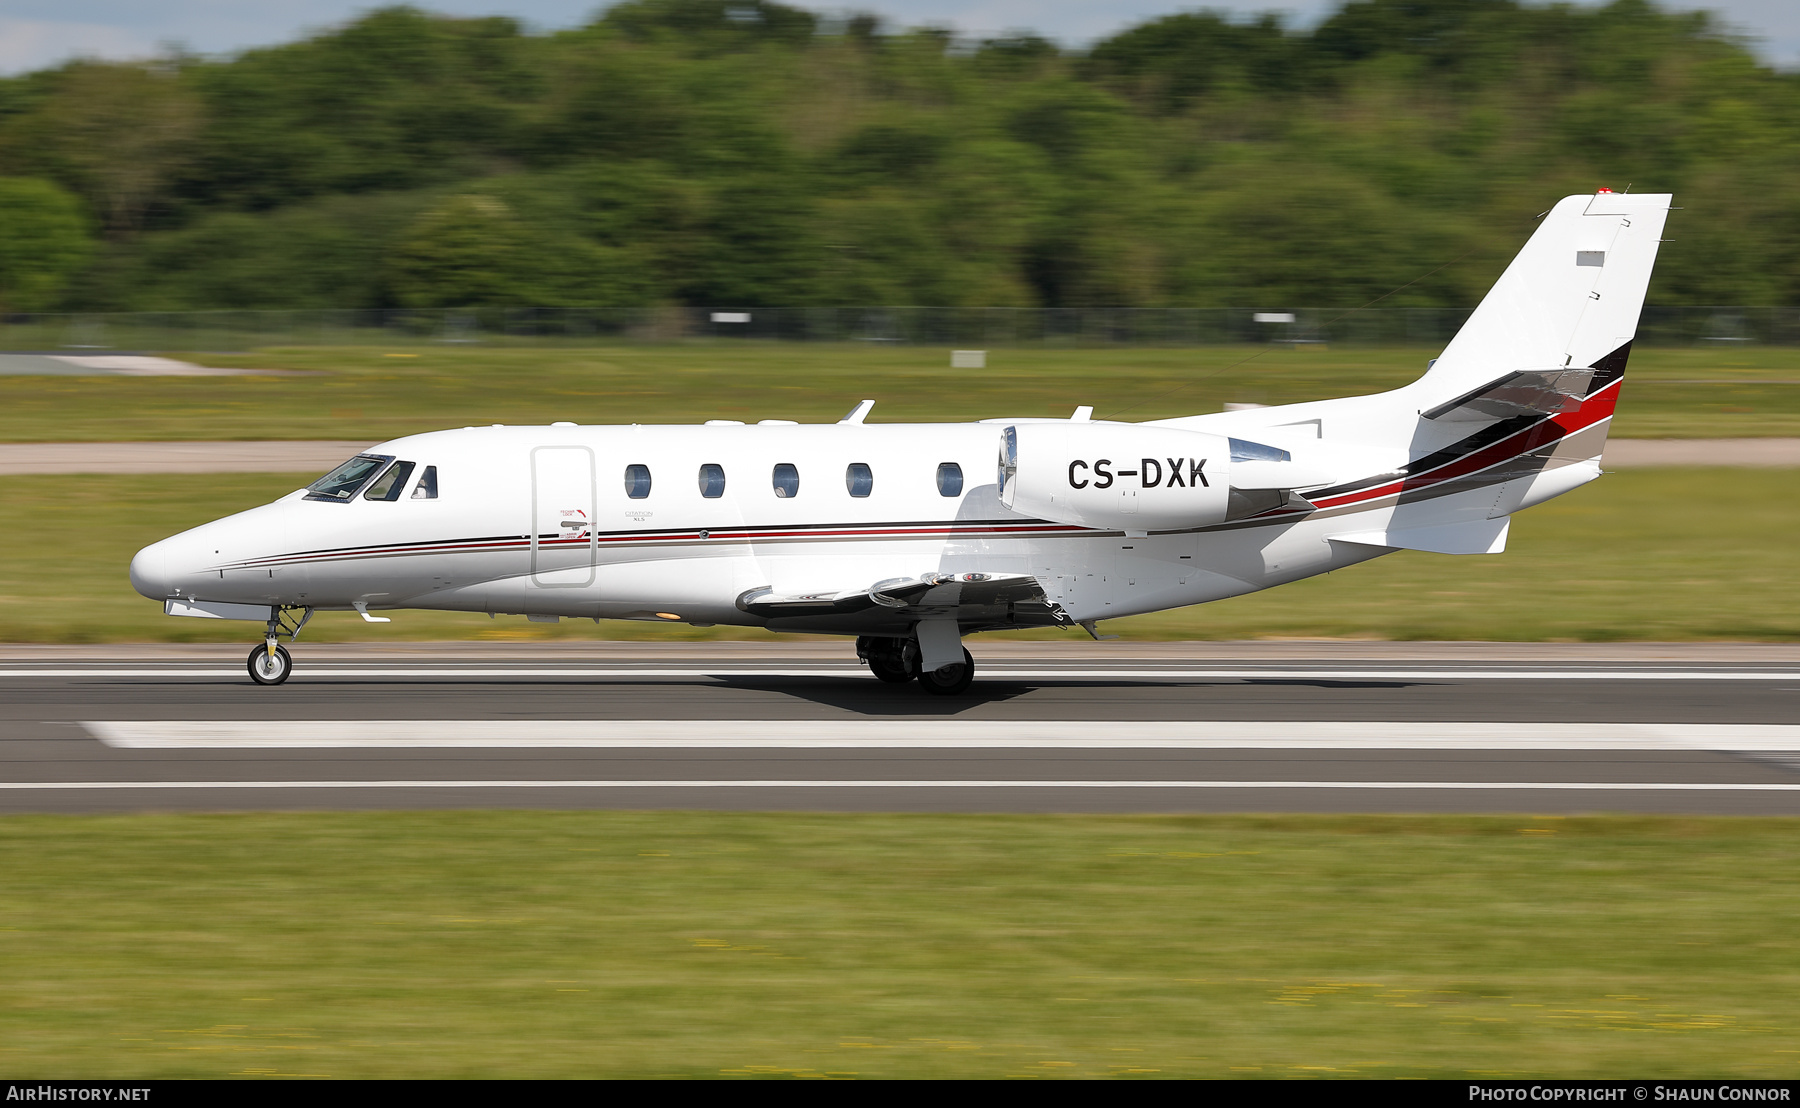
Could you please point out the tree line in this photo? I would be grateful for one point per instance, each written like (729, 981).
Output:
(742, 152)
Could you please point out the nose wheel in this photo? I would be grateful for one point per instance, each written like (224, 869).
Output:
(270, 664)
(270, 669)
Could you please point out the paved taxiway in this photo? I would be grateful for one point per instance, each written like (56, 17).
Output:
(1161, 729)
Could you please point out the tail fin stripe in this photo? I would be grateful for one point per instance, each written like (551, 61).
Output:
(1610, 368)
(1488, 448)
(1608, 372)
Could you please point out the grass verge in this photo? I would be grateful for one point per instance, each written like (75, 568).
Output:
(376, 394)
(588, 944)
(1644, 555)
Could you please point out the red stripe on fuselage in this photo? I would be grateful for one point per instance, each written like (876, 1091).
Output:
(659, 537)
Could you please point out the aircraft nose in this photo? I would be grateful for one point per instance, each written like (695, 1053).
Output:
(150, 571)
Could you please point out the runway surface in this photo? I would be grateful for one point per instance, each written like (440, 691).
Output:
(708, 726)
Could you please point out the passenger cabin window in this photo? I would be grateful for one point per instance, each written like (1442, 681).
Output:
(391, 484)
(341, 483)
(712, 480)
(786, 480)
(949, 479)
(637, 481)
(859, 479)
(427, 486)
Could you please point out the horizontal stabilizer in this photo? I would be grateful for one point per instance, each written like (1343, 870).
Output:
(1527, 392)
(1481, 536)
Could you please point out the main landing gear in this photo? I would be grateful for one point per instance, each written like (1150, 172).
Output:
(270, 663)
(887, 658)
(950, 680)
(896, 661)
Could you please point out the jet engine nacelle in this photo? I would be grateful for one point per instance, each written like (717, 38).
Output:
(1116, 476)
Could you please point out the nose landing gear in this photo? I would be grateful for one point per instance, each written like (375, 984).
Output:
(269, 666)
(270, 663)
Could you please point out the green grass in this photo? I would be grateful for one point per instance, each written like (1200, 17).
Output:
(375, 394)
(1646, 554)
(506, 944)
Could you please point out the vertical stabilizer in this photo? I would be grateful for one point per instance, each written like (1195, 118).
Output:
(1570, 299)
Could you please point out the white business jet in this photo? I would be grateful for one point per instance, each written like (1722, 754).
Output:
(912, 536)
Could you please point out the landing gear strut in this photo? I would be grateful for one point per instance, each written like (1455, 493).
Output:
(270, 663)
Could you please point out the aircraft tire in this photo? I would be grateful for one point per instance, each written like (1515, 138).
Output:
(269, 671)
(890, 668)
(950, 680)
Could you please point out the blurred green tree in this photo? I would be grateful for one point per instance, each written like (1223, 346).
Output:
(1288, 236)
(762, 245)
(116, 134)
(468, 251)
(396, 99)
(43, 241)
(1170, 62)
(748, 152)
(712, 26)
(328, 252)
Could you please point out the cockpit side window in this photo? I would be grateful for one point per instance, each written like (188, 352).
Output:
(391, 484)
(341, 483)
(427, 486)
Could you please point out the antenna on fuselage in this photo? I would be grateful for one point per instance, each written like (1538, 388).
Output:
(858, 413)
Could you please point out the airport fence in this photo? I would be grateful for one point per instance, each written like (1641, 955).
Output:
(223, 331)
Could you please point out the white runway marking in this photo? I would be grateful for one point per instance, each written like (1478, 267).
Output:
(952, 783)
(303, 672)
(934, 734)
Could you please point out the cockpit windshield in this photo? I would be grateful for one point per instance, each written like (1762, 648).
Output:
(341, 483)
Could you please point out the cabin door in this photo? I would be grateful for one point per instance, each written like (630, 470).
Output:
(564, 543)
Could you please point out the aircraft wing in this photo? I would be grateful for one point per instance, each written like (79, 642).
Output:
(977, 601)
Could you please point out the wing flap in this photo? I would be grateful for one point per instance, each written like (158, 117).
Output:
(1009, 599)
